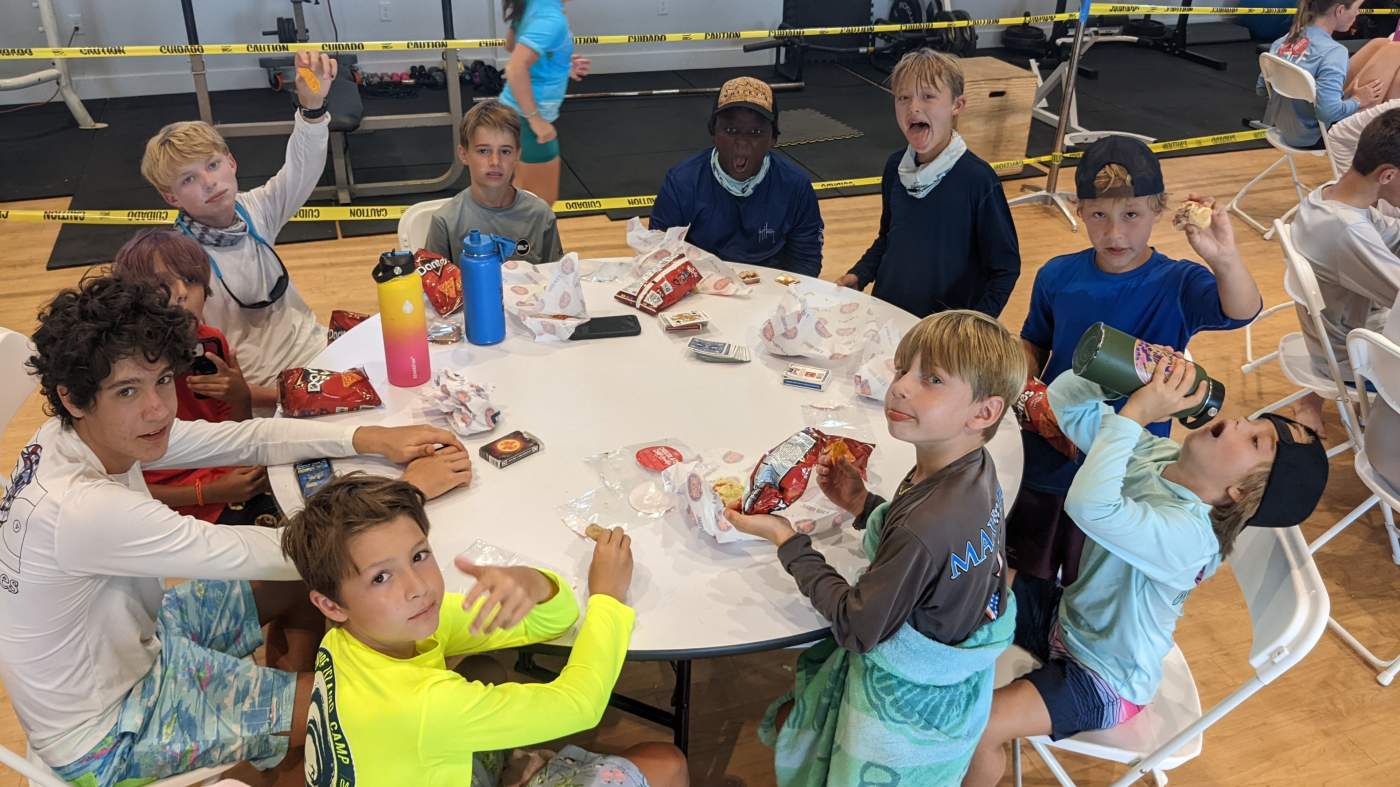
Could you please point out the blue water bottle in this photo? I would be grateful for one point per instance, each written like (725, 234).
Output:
(484, 310)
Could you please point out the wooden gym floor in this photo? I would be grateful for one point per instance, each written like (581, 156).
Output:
(1326, 722)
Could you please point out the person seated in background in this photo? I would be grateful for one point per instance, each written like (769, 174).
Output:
(1161, 517)
(1123, 281)
(255, 304)
(112, 676)
(932, 612)
(743, 203)
(227, 495)
(390, 712)
(489, 144)
(1309, 45)
(1343, 136)
(946, 238)
(1352, 249)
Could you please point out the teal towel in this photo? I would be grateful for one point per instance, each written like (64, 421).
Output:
(908, 713)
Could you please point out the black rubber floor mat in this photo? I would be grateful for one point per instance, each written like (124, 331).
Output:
(806, 126)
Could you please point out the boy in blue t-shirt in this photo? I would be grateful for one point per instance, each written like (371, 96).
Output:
(946, 238)
(1129, 285)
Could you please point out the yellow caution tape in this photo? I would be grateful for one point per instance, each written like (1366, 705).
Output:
(562, 207)
(1100, 9)
(180, 50)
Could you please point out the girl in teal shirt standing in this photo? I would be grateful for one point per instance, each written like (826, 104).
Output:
(542, 61)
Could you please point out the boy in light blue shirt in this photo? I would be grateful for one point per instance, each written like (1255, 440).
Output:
(1160, 518)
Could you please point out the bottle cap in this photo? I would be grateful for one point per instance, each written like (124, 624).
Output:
(393, 264)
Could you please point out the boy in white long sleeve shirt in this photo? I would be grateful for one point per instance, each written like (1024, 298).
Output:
(252, 301)
(111, 676)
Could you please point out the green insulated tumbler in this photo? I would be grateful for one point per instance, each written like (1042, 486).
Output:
(1122, 364)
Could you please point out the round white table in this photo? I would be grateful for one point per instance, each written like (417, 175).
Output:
(694, 598)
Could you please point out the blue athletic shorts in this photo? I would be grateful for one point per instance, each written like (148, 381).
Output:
(1076, 697)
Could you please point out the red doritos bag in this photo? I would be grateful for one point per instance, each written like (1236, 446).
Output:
(342, 321)
(442, 281)
(1033, 413)
(306, 392)
(782, 475)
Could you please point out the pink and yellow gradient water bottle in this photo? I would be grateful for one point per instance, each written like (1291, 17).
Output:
(402, 319)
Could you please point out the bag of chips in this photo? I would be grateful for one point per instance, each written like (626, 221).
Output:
(1033, 413)
(306, 392)
(342, 321)
(782, 474)
(669, 279)
(442, 281)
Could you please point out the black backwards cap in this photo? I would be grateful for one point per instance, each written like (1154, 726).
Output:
(1296, 480)
(1129, 153)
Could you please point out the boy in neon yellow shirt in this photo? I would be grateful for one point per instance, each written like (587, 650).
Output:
(385, 709)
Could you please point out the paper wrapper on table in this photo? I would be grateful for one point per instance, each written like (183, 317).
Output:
(693, 484)
(551, 309)
(818, 320)
(876, 372)
(1033, 413)
(781, 477)
(442, 281)
(466, 404)
(716, 277)
(306, 392)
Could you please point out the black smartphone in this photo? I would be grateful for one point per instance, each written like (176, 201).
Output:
(608, 327)
(202, 365)
(312, 475)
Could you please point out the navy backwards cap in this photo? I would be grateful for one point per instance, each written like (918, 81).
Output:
(1129, 153)
(1296, 480)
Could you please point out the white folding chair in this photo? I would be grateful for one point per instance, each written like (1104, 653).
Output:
(15, 349)
(1288, 608)
(1300, 283)
(414, 223)
(1288, 80)
(1376, 359)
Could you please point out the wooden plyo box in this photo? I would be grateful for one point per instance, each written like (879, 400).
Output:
(996, 124)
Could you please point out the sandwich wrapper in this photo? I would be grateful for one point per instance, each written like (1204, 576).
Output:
(716, 277)
(818, 320)
(700, 505)
(551, 308)
(877, 371)
(633, 492)
(466, 405)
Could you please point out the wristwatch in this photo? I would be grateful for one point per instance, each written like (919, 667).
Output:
(313, 114)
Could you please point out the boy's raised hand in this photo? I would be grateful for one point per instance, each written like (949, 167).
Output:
(771, 528)
(1216, 245)
(610, 574)
(324, 68)
(841, 483)
(507, 594)
(1169, 392)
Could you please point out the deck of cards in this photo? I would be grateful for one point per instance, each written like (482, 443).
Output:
(801, 376)
(719, 352)
(684, 322)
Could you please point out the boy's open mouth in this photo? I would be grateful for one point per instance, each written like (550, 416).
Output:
(1217, 430)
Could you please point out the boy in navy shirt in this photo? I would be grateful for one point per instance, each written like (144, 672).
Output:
(1129, 285)
(946, 238)
(742, 203)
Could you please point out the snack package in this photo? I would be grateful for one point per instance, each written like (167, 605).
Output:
(782, 474)
(551, 309)
(669, 277)
(482, 553)
(467, 405)
(818, 320)
(728, 471)
(701, 495)
(876, 371)
(633, 492)
(306, 392)
(716, 277)
(1033, 413)
(342, 321)
(442, 281)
